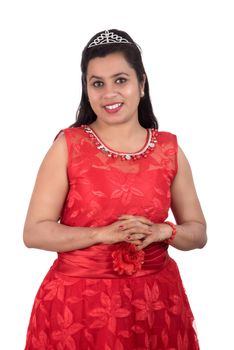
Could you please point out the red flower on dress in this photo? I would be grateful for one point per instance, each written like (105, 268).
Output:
(127, 259)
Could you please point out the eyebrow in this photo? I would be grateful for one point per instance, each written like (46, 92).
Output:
(113, 76)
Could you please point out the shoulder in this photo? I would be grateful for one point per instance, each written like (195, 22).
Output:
(166, 136)
(167, 140)
(69, 136)
(64, 138)
(69, 132)
(168, 151)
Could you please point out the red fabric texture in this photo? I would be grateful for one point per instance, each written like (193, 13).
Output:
(108, 297)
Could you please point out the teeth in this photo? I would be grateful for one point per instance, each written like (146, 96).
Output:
(113, 106)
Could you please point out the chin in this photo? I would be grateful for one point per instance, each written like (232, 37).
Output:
(117, 120)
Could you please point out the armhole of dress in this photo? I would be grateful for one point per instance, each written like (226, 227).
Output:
(68, 143)
(176, 155)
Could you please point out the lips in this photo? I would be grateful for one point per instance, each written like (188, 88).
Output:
(114, 107)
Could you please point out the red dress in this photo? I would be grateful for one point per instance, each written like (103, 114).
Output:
(106, 297)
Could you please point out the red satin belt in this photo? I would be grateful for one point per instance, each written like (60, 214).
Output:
(97, 262)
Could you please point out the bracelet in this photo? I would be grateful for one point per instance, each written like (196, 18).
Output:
(168, 241)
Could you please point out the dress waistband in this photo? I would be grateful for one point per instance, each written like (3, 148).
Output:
(100, 261)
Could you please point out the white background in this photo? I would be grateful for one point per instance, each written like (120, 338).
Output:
(188, 55)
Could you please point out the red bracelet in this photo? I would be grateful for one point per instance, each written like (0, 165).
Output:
(168, 241)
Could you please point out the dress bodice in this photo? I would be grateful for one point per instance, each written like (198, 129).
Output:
(101, 188)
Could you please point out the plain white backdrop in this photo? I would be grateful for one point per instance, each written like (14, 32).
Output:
(188, 55)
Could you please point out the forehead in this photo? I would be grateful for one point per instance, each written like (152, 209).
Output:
(108, 65)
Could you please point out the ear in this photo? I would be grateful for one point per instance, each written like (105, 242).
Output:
(142, 85)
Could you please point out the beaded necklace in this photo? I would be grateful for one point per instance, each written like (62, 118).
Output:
(143, 153)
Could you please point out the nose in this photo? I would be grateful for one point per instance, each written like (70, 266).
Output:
(109, 92)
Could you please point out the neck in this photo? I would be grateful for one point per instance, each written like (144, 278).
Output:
(118, 131)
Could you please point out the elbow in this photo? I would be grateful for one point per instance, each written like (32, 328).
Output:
(203, 237)
(27, 241)
(202, 243)
(27, 238)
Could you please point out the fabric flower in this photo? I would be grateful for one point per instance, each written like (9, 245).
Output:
(127, 259)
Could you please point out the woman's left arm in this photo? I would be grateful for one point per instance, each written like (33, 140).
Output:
(186, 208)
(185, 205)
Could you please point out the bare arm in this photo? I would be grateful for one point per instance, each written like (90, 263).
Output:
(191, 224)
(42, 230)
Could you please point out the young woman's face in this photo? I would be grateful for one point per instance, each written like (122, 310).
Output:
(113, 89)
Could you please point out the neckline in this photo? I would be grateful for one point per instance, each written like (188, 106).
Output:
(148, 136)
(143, 152)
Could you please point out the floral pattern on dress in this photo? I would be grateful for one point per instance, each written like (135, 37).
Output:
(144, 309)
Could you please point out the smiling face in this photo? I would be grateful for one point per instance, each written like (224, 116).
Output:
(113, 89)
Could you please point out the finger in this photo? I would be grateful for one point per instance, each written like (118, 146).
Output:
(135, 236)
(144, 244)
(141, 219)
(136, 242)
(133, 222)
(135, 228)
(144, 220)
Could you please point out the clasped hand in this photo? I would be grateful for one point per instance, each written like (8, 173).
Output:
(137, 230)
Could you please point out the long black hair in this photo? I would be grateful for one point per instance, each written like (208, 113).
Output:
(132, 53)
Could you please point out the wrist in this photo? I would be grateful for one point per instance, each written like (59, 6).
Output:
(161, 232)
(96, 235)
(173, 232)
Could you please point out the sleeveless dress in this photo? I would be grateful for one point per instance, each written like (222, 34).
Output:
(109, 297)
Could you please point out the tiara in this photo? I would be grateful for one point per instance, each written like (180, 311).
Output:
(108, 38)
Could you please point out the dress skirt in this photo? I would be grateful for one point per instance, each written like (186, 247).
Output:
(95, 299)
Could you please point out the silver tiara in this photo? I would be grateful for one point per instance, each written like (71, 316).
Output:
(108, 38)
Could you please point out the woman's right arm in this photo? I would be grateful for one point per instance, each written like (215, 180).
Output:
(42, 230)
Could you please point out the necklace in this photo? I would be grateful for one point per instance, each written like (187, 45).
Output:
(143, 153)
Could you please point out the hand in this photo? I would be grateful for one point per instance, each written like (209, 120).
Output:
(128, 228)
(137, 228)
(159, 232)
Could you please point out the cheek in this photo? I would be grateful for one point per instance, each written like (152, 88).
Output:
(93, 98)
(134, 95)
(136, 89)
(94, 105)
(132, 92)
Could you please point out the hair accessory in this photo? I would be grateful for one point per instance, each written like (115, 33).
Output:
(168, 241)
(108, 38)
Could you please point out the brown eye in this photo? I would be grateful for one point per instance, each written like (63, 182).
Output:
(121, 80)
(98, 83)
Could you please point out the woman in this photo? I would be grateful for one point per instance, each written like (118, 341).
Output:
(100, 200)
